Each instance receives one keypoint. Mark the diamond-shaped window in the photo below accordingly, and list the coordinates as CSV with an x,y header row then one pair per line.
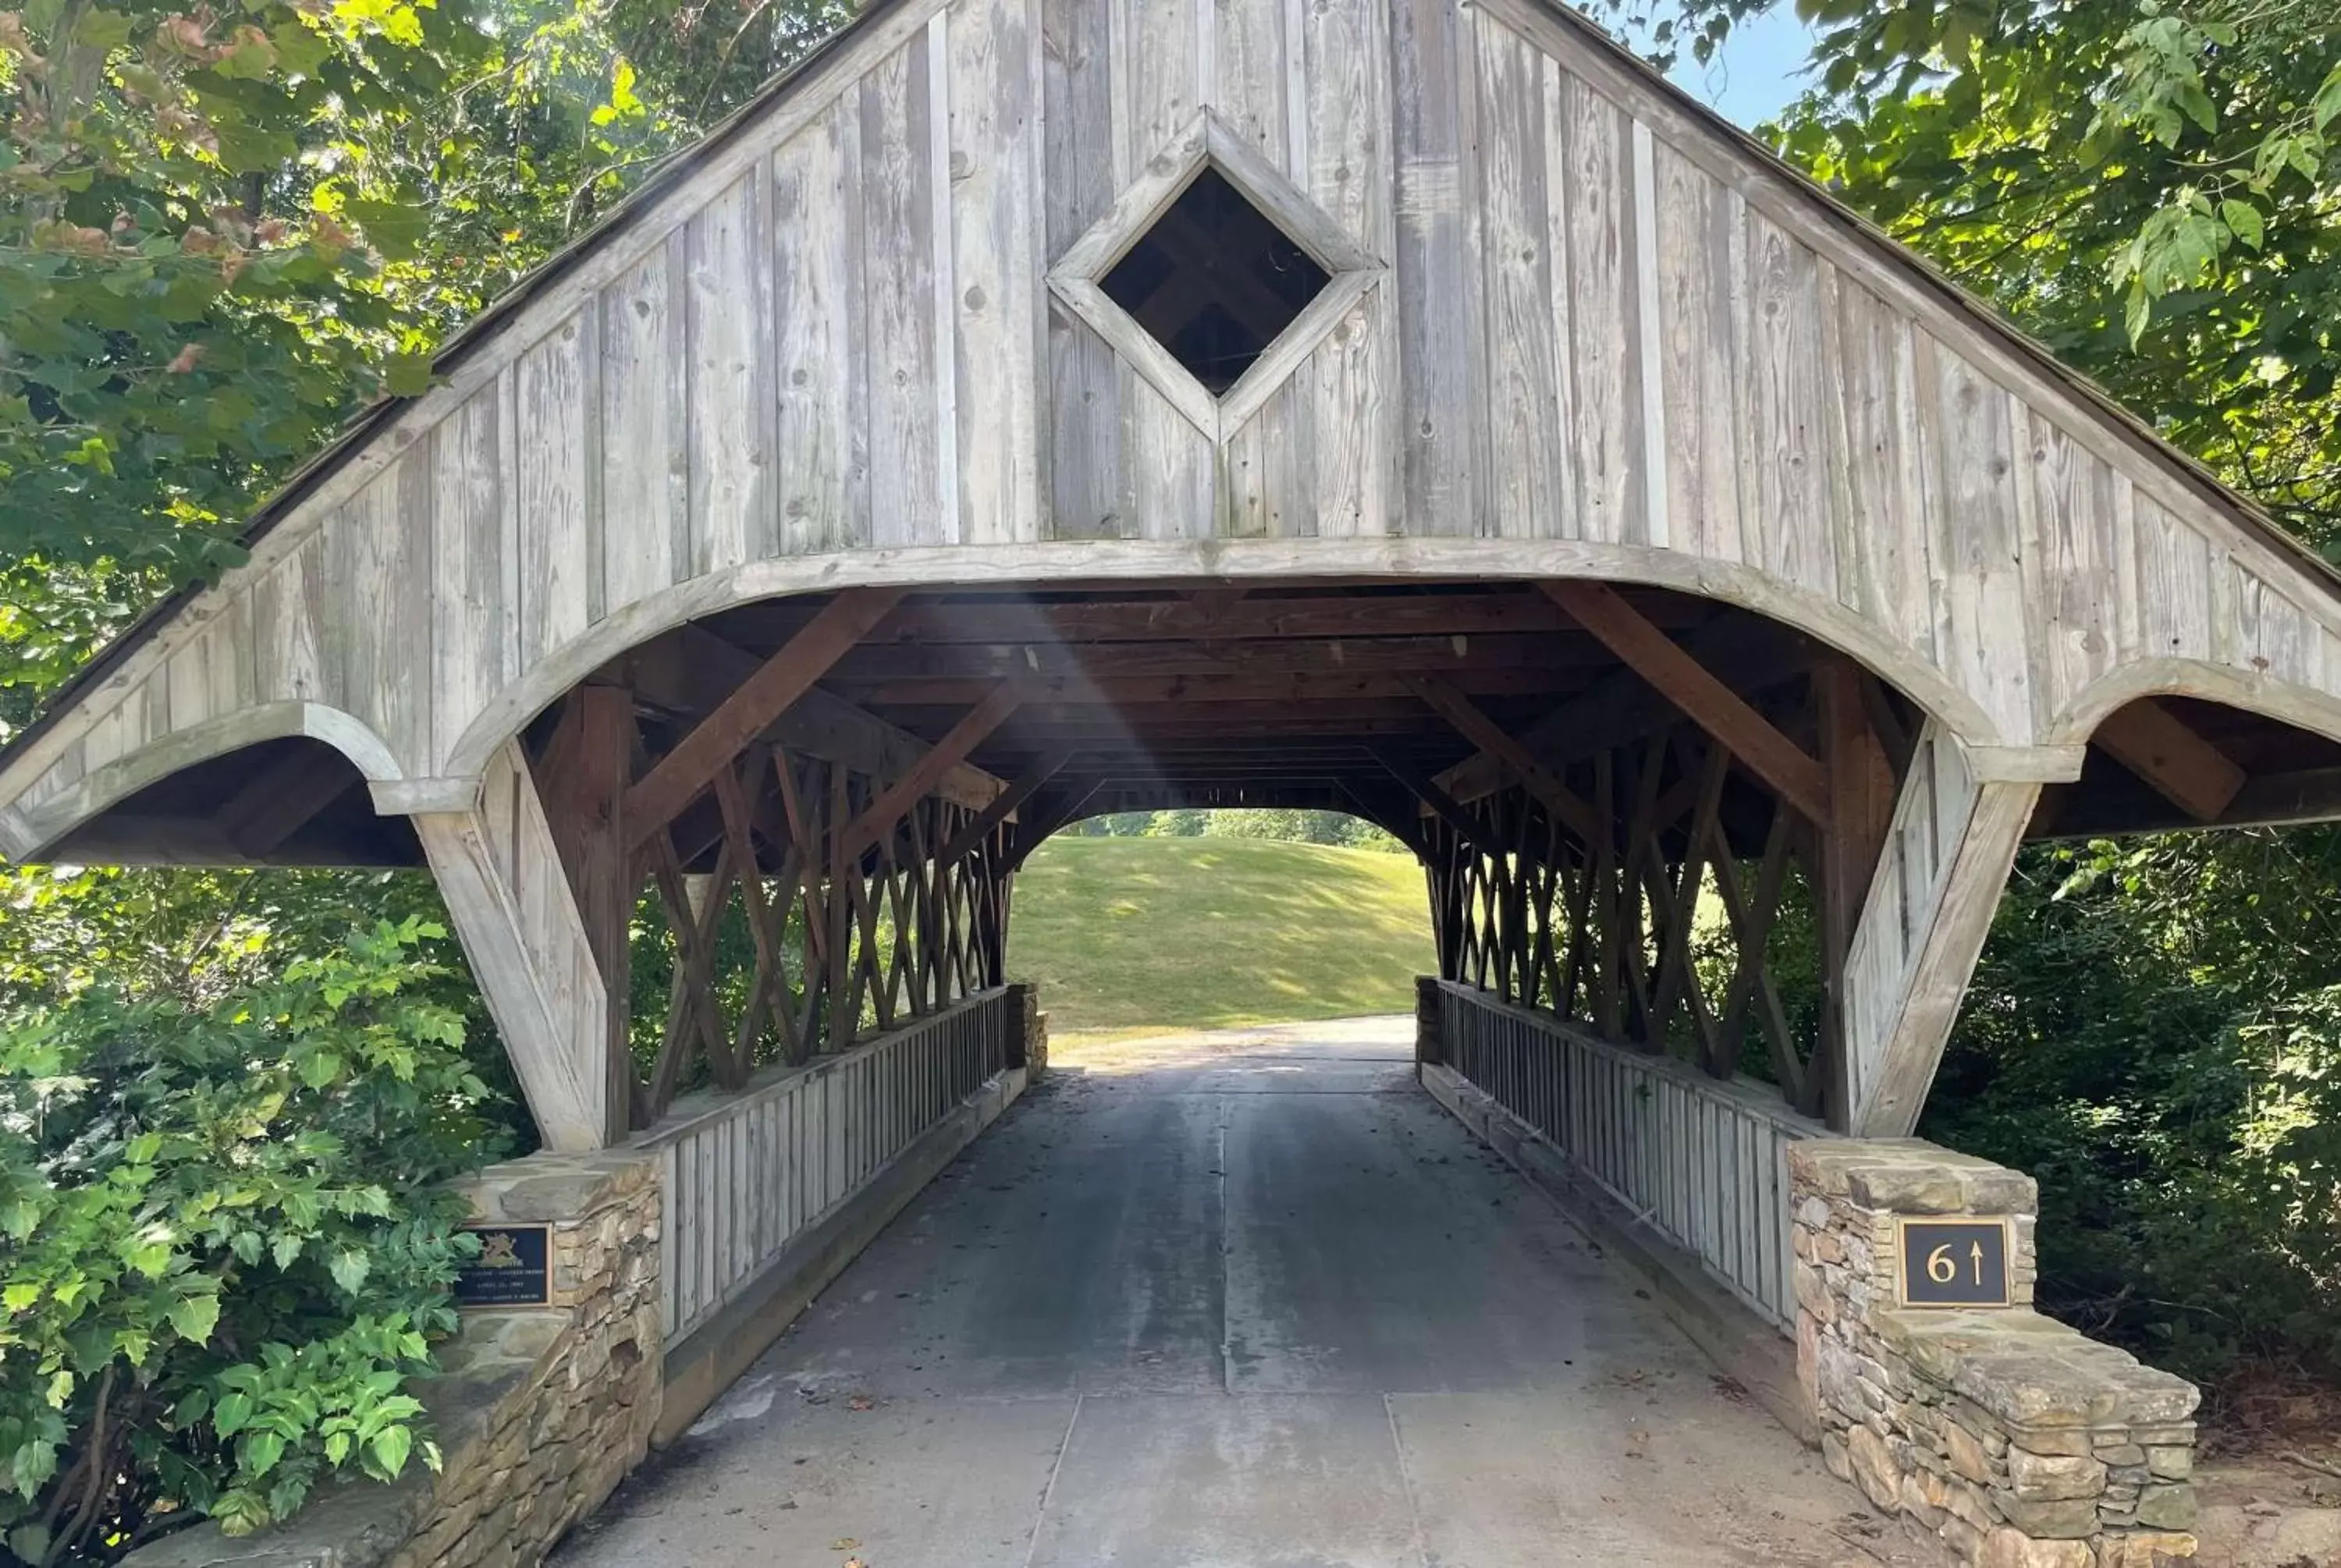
x,y
1213,275
1215,281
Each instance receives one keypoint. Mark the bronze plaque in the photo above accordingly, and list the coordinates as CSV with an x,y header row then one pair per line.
x,y
1955,1263
515,1267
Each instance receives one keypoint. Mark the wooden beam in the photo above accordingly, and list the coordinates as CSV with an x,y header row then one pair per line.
x,y
1690,686
1290,687
587,769
1468,721
879,818
880,664
501,875
1022,788
1260,615
282,799
1436,801
679,775
2182,766
1861,787
690,671
1617,709
1953,844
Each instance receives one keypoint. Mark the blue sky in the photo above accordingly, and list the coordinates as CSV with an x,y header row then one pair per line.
x,y
1755,75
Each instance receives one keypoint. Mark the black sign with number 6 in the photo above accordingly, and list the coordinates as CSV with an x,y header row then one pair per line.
x,y
1955,1263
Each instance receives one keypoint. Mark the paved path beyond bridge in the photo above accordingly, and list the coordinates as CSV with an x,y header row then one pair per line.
x,y
1225,1301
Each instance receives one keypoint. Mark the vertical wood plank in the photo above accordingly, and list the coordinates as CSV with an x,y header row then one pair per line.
x,y
1694,218
644,455
467,607
897,256
555,415
995,287
1524,401
731,408
1429,270
821,379
1605,411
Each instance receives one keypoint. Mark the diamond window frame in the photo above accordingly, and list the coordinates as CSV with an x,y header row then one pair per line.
x,y
1079,277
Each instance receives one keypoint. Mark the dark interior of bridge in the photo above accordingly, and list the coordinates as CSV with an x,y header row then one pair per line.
x,y
1350,695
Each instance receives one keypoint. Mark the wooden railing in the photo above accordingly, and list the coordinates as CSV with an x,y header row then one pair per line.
x,y
1701,1160
747,1172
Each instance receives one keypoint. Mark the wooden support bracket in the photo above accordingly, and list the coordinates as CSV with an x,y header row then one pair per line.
x,y
2182,766
678,777
1690,686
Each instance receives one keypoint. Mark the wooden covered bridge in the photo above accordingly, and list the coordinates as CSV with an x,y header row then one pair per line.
x,y
1030,409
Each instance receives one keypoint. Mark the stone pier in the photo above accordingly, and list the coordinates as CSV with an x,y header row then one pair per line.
x,y
2015,1441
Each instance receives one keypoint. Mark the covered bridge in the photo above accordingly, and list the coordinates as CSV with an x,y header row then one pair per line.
x,y
1029,409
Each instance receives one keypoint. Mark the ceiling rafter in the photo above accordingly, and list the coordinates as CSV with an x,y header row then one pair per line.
x,y
1753,740
677,778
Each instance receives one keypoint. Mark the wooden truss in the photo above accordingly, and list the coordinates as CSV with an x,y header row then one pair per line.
x,y
1647,890
800,871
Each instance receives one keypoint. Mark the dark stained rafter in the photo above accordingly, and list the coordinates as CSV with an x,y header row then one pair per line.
x,y
692,763
2177,764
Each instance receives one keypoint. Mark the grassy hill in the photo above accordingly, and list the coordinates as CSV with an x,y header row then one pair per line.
x,y
1128,935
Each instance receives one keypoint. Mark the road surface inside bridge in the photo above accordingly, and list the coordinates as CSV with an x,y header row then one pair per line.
x,y
1232,1299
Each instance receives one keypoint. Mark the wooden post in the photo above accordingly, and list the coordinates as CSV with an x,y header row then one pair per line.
x,y
1849,840
584,795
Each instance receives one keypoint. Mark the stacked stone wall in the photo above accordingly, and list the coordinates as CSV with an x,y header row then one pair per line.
x,y
2015,1441
1029,1049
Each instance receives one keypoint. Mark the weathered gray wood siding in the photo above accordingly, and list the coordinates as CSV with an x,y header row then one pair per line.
x,y
1603,339
1948,850
499,871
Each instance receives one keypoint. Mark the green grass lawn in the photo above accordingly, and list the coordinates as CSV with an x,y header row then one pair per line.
x,y
1124,936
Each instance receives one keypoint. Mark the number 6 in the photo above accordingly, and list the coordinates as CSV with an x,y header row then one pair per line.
x,y
1940,1267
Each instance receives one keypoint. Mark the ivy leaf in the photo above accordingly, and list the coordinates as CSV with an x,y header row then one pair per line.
x,y
233,1411
389,1448
262,1450
2326,107
194,1316
150,1254
396,229
102,29
350,1268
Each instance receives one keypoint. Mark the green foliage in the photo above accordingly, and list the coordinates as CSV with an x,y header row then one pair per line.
x,y
2154,1032
226,1244
1133,933
1283,825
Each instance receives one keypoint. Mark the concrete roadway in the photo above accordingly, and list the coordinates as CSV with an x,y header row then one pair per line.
x,y
1226,1301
